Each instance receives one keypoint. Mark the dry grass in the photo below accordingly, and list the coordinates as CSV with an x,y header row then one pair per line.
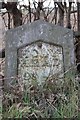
x,y
49,101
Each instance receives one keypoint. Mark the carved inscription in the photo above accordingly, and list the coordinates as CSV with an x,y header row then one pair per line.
x,y
39,61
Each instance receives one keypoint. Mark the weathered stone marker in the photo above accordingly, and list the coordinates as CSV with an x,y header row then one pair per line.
x,y
40,61
38,50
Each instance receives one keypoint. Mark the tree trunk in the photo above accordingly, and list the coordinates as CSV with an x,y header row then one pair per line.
x,y
61,14
13,10
68,16
17,17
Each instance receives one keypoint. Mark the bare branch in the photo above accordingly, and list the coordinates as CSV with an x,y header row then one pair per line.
x,y
29,10
60,5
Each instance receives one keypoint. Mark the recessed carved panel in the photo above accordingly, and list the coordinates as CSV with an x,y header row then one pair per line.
x,y
39,62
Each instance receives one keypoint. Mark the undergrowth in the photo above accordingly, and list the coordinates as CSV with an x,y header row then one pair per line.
x,y
50,100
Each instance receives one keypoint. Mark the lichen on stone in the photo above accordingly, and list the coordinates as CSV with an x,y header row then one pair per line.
x,y
38,63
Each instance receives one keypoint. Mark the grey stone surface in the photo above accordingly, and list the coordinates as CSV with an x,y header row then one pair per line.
x,y
33,32
40,62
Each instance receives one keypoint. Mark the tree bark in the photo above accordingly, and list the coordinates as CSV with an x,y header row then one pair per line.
x,y
13,10
61,14
68,16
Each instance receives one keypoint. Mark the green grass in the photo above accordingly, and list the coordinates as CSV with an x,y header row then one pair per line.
x,y
49,101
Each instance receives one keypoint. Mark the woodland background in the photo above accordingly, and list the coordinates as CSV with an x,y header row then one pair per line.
x,y
14,14
66,14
